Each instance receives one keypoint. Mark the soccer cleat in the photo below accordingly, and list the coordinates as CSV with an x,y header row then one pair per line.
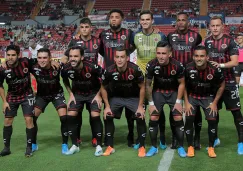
x,y
216,142
136,146
6,151
141,152
34,147
163,147
94,142
181,152
190,151
64,148
240,148
28,152
152,151
211,152
109,151
72,150
98,151
197,145
174,143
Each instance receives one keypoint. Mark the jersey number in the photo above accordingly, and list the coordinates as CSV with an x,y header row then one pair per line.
x,y
235,94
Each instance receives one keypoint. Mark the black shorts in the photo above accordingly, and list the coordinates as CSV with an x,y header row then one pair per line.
x,y
204,103
57,100
81,100
160,99
238,69
27,105
230,98
118,103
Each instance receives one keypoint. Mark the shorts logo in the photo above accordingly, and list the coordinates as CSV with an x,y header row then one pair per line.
x,y
130,77
25,70
238,104
54,73
173,72
191,39
241,123
223,46
88,75
151,129
210,77
123,37
95,46
156,71
71,76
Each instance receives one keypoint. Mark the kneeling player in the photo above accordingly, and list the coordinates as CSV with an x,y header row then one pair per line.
x,y
124,82
49,90
85,78
202,78
168,87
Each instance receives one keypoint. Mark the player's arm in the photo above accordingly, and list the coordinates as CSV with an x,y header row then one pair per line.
x,y
68,87
2,93
181,89
131,42
141,100
199,39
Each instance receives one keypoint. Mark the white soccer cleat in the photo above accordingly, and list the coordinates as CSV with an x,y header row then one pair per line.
x,y
72,150
98,151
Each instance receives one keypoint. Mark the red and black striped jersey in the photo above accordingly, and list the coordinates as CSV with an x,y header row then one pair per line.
x,y
220,51
91,48
48,81
202,84
123,84
18,79
165,77
111,40
183,45
85,81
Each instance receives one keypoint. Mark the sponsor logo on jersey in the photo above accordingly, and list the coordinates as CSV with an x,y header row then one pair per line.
x,y
115,73
157,67
70,71
25,70
113,44
193,71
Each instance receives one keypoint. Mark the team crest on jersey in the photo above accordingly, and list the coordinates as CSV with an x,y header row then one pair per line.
x,y
95,46
88,75
173,72
123,37
191,39
210,77
54,73
130,77
156,39
25,70
223,46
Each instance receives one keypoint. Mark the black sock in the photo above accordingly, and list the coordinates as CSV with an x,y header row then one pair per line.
x,y
141,129
217,123
198,124
172,125
130,124
162,127
97,128
238,119
110,129
35,129
64,129
153,132
189,129
212,124
72,128
179,126
7,133
29,135
79,123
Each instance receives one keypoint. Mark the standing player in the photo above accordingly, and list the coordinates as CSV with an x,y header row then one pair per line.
x,y
85,78
202,79
223,53
239,68
123,83
112,38
168,88
183,41
49,90
19,92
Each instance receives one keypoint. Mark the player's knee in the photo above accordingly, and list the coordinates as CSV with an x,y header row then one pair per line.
x,y
153,123
29,122
8,121
154,117
62,111
37,111
237,114
177,118
95,114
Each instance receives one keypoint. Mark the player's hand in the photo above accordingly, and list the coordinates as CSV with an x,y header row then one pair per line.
x,y
71,99
213,109
64,59
107,111
98,100
188,109
3,64
152,108
156,30
6,106
140,111
55,65
178,107
214,64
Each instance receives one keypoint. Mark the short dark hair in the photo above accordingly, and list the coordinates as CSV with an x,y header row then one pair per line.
x,y
117,11
81,50
121,48
13,47
217,18
44,50
183,13
85,20
146,12
163,44
239,34
200,47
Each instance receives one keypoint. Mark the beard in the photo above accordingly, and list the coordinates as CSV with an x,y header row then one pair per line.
x,y
115,27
